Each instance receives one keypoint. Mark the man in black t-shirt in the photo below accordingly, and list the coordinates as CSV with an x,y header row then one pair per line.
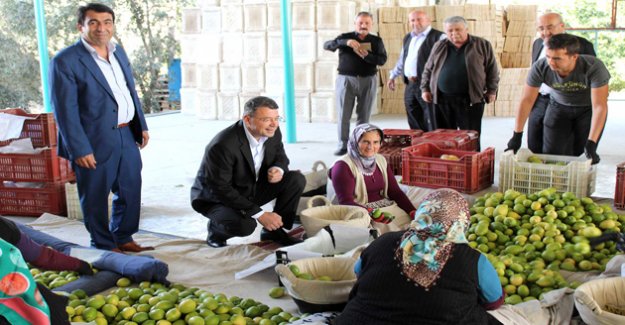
x,y
359,55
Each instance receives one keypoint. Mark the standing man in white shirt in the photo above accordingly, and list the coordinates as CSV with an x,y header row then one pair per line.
x,y
415,52
101,128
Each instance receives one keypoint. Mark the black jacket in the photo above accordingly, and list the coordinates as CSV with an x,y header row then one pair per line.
x,y
226,175
424,51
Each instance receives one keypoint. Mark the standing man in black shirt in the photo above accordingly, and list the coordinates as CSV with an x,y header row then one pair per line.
x,y
415,52
359,55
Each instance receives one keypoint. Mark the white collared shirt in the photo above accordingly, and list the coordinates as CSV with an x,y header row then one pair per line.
x,y
410,65
258,154
115,78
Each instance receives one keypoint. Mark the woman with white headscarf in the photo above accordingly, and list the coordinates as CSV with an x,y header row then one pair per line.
x,y
363,177
427,274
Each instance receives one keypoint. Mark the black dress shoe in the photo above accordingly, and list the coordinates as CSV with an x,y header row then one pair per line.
x,y
340,151
279,236
215,242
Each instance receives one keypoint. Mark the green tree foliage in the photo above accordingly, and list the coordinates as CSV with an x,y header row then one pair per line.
x,y
145,28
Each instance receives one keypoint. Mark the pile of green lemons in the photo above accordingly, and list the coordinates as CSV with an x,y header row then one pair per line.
x,y
53,279
157,304
530,238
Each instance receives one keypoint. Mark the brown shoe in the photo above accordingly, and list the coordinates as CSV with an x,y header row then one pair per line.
x,y
132,246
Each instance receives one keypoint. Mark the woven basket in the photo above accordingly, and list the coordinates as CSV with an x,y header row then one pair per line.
x,y
314,218
601,301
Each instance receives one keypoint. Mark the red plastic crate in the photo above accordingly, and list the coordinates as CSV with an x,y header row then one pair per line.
x,y
619,192
41,130
393,157
17,201
400,137
423,167
45,166
466,140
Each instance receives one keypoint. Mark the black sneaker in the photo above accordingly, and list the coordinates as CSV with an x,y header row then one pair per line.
x,y
279,236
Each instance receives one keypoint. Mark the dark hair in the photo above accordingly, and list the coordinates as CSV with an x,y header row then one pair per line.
x,y
97,7
364,14
564,41
257,102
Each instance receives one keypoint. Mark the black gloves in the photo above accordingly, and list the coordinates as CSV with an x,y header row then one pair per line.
x,y
84,268
515,143
591,151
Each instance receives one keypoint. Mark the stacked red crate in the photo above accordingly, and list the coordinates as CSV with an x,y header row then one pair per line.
x,y
34,183
394,141
619,192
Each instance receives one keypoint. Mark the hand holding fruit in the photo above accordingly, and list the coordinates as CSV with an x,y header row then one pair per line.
x,y
591,151
515,142
378,216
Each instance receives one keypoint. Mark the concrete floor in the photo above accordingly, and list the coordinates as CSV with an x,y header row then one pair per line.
x,y
177,144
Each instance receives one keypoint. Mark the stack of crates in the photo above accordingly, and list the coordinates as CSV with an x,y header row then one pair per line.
x,y
619,192
466,140
394,141
32,184
469,172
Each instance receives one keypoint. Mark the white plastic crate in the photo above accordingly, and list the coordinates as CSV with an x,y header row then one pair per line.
x,y
228,106
322,107
191,20
322,37
255,17
303,15
274,47
564,173
304,45
211,20
208,48
274,77
208,77
274,20
207,3
303,76
325,75
229,77
206,105
232,47
302,107
278,97
255,47
189,74
232,18
228,2
253,77
335,15
189,48
74,211
187,100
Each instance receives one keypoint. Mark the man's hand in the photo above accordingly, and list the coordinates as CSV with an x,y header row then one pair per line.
x,y
357,49
489,98
591,151
426,96
270,221
391,84
146,137
515,142
87,161
274,175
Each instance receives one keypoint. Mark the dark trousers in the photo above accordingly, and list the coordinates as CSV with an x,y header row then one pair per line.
x,y
121,174
566,129
226,222
535,124
457,112
420,114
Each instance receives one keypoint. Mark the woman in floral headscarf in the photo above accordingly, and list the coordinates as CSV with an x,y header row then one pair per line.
x,y
427,274
363,177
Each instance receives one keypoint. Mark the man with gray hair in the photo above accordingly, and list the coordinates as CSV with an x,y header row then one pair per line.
x,y
359,55
459,77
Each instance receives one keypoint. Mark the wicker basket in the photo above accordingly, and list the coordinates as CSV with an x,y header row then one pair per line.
x,y
314,218
601,301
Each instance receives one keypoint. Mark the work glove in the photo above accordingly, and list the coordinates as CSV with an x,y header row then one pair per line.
x,y
591,151
515,142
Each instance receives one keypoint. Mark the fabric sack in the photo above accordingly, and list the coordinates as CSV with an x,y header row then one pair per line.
x,y
314,218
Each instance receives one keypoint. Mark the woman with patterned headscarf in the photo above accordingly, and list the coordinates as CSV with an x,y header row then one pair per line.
x,y
362,177
427,274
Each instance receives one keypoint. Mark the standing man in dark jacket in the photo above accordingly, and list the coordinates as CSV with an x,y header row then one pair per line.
x,y
359,55
415,52
244,167
460,75
548,25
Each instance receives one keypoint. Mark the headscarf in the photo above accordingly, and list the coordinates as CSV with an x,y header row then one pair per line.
x,y
439,223
366,165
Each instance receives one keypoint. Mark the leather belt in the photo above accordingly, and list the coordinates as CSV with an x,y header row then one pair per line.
x,y
413,79
122,125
